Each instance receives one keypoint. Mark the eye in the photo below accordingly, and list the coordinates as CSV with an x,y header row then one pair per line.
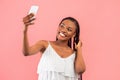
x,y
61,25
69,29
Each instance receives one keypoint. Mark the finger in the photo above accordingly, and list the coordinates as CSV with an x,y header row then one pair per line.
x,y
28,17
75,46
29,21
32,19
31,14
27,24
80,43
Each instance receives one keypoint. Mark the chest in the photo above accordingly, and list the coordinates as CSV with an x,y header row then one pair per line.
x,y
62,52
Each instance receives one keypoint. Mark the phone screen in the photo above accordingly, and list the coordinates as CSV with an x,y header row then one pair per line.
x,y
33,9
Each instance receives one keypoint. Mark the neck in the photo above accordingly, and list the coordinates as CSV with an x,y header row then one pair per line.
x,y
62,43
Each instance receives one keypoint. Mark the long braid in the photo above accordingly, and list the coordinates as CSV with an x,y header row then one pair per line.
x,y
69,42
76,38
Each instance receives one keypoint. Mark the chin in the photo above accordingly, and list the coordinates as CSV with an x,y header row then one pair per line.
x,y
62,39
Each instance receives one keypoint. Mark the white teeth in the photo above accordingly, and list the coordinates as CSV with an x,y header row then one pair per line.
x,y
62,34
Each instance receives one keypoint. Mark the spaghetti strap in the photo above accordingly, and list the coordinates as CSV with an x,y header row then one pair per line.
x,y
48,42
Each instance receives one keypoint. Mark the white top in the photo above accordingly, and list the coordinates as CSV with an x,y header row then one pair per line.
x,y
54,67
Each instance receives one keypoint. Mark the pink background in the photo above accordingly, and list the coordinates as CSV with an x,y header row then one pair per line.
x,y
100,33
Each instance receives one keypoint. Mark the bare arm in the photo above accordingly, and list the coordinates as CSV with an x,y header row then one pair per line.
x,y
27,49
79,61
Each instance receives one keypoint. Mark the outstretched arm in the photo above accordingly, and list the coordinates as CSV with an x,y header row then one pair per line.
x,y
30,50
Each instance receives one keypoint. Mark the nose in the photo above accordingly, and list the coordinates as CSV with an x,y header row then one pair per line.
x,y
64,29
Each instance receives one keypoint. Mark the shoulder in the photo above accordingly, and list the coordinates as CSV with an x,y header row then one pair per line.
x,y
44,43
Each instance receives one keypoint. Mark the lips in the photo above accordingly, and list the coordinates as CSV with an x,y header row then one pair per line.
x,y
62,34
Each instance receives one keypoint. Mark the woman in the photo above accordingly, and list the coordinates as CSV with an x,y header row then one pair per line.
x,y
61,59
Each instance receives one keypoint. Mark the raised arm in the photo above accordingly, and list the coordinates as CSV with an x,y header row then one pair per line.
x,y
27,49
79,61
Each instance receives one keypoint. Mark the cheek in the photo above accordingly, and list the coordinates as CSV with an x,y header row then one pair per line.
x,y
58,29
70,34
73,33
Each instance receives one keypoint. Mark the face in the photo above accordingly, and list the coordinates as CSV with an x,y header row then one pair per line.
x,y
66,30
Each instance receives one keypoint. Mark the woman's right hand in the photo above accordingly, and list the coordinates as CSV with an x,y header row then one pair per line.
x,y
28,20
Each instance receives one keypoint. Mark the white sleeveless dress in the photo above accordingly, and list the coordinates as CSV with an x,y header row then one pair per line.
x,y
54,67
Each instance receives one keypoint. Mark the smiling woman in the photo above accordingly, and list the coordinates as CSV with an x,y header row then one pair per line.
x,y
61,59
66,29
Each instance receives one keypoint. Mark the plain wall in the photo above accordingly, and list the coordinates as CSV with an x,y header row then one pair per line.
x,y
100,29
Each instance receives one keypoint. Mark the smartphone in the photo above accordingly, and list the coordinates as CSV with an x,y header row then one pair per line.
x,y
34,9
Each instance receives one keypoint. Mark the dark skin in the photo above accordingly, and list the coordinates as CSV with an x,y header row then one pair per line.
x,y
66,30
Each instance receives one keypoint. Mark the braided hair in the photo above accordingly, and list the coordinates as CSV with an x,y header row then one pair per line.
x,y
71,43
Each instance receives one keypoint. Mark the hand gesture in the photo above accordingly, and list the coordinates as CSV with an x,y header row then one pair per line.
x,y
79,45
27,20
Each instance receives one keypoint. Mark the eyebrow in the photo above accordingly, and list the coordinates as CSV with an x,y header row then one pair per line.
x,y
65,25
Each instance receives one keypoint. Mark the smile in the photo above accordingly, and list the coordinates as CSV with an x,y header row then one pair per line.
x,y
61,34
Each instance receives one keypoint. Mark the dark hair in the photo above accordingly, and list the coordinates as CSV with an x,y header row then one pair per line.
x,y
76,38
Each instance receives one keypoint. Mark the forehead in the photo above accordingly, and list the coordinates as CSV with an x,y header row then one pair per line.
x,y
69,23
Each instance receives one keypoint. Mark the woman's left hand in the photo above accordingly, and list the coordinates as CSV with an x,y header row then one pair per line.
x,y
79,45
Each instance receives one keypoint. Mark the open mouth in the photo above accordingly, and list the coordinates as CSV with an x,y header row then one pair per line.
x,y
62,34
